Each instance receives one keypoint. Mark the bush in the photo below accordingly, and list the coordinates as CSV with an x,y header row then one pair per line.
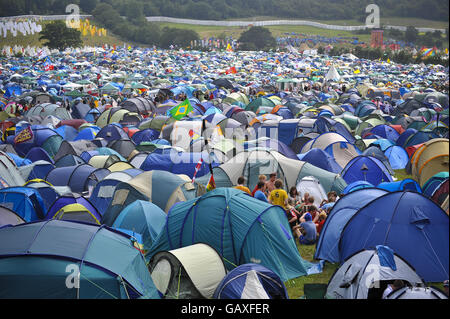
x,y
59,36
257,38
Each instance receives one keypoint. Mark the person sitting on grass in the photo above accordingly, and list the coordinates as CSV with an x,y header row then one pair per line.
x,y
320,222
308,230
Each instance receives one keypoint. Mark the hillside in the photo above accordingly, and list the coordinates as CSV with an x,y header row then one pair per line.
x,y
434,10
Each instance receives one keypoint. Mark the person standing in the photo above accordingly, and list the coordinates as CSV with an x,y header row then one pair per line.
x,y
241,186
279,196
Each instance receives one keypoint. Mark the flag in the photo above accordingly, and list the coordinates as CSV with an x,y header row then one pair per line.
x,y
211,184
388,60
231,70
229,48
181,110
24,136
197,168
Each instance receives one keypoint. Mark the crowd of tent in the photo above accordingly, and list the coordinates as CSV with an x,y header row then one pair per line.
x,y
118,168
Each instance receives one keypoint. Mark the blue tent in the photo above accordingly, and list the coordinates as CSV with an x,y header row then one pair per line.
x,y
19,161
324,125
88,133
385,131
320,158
382,143
397,156
38,259
356,186
38,170
251,281
272,144
103,192
112,132
376,152
38,153
419,138
144,218
72,199
403,185
146,135
241,228
411,224
41,134
177,163
401,141
345,208
24,201
366,168
78,177
67,132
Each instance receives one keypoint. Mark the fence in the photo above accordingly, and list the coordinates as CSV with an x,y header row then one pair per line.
x,y
230,23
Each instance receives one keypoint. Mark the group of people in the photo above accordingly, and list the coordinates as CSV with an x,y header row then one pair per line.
x,y
305,219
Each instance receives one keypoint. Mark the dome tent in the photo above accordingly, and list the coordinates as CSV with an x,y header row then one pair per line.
x,y
345,208
144,218
251,281
402,220
191,272
24,201
162,188
9,217
355,279
311,185
36,265
241,228
417,293
366,168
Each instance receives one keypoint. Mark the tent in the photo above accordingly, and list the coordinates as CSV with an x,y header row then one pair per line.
x,y
321,159
403,185
365,274
402,220
366,168
26,202
311,185
252,163
241,228
80,178
343,210
37,265
355,186
76,212
9,217
251,281
191,272
429,159
162,188
103,192
144,218
417,293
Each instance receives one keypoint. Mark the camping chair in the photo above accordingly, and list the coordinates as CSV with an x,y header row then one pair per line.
x,y
315,291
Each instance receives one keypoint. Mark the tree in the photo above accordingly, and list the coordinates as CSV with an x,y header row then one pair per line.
x,y
60,37
411,34
257,38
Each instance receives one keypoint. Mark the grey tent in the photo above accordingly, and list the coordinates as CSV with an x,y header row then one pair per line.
x,y
74,148
191,272
366,274
417,293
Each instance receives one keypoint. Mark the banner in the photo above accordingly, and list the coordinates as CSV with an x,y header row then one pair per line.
x,y
24,136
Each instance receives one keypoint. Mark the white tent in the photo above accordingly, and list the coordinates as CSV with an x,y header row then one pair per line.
x,y
332,74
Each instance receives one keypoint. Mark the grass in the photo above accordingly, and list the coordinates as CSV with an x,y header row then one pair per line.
x,y
295,286
277,31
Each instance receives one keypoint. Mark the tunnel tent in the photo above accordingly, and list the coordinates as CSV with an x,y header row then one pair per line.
x,y
43,251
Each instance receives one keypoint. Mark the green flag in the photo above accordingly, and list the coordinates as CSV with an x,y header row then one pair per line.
x,y
181,110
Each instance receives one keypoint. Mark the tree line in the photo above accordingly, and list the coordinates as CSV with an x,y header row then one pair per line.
x,y
229,9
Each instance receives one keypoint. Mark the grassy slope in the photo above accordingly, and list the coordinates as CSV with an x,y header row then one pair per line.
x,y
295,286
